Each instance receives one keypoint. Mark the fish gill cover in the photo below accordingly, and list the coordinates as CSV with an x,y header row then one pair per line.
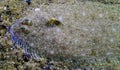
x,y
81,34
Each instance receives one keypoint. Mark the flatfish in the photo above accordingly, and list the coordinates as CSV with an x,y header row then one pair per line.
x,y
38,35
68,36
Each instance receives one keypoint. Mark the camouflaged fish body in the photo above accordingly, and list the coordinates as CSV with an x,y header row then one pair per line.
x,y
83,33
38,38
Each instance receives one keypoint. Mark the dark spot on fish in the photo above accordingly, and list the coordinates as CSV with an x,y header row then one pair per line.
x,y
53,22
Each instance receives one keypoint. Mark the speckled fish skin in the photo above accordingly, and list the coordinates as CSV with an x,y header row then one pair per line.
x,y
41,39
83,34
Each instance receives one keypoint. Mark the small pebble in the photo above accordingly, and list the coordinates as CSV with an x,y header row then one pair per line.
x,y
28,2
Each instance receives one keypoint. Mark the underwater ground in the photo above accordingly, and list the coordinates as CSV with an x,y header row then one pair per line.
x,y
91,28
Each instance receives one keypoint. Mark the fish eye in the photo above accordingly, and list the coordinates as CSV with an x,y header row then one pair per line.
x,y
26,22
25,30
